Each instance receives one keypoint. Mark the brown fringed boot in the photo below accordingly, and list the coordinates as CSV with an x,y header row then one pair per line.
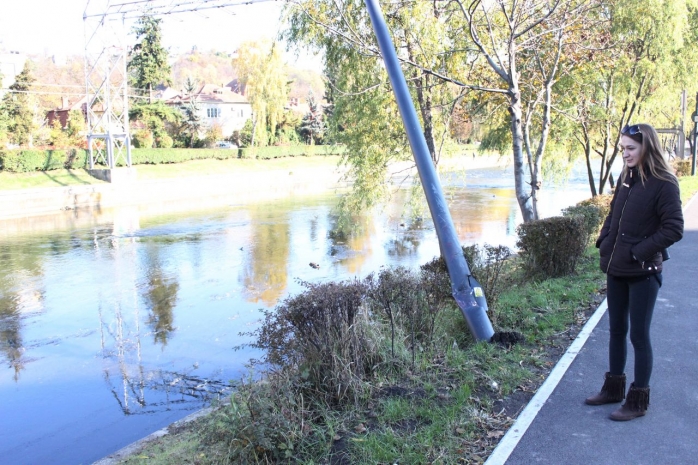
x,y
612,391
635,404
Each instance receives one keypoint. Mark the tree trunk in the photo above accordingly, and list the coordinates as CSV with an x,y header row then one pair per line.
x,y
522,196
536,178
587,156
424,101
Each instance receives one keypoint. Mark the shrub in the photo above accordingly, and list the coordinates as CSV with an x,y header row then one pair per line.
x,y
682,167
552,246
77,158
142,139
602,201
24,161
164,142
485,263
325,332
263,423
591,219
396,293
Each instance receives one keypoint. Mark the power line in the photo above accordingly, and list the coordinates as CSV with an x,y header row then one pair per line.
x,y
140,8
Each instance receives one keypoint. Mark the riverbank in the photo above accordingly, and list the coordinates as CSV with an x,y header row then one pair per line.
x,y
166,188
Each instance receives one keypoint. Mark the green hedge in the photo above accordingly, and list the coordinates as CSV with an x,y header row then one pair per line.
x,y
267,153
26,161
551,247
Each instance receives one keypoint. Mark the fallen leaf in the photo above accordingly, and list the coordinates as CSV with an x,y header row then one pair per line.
x,y
460,431
360,428
337,437
495,434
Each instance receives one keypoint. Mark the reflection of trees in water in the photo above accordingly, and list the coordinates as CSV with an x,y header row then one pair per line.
x,y
138,390
265,274
160,295
350,241
20,296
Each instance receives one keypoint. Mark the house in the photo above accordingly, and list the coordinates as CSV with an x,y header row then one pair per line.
x,y
218,105
63,112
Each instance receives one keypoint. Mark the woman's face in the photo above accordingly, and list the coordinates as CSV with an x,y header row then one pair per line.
x,y
631,151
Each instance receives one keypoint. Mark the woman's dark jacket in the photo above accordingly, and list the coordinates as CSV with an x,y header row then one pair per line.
x,y
645,218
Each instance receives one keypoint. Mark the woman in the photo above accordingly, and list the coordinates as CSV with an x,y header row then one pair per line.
x,y
644,220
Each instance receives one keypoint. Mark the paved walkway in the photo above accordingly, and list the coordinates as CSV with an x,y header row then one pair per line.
x,y
558,428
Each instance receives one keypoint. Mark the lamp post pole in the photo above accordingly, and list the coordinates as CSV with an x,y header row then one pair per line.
x,y
466,290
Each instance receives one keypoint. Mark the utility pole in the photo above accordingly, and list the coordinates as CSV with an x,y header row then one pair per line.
x,y
466,290
695,138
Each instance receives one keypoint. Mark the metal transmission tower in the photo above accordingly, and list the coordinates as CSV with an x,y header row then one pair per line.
x,y
106,55
106,85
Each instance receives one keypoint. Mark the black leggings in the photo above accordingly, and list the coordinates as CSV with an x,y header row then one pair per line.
x,y
631,299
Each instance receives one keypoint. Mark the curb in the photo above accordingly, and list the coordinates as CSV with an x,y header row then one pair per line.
x,y
125,452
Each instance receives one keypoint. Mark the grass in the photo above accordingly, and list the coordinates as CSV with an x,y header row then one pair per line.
x,y
689,187
42,179
60,178
452,406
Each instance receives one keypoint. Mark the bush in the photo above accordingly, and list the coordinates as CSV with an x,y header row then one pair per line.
x,y
161,156
77,158
551,247
263,423
325,333
682,167
591,216
164,142
142,139
601,201
485,263
397,295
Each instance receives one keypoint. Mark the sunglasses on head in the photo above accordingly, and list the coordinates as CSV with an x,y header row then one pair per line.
x,y
631,130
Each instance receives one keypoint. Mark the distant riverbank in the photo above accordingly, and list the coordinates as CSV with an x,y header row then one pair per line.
x,y
182,186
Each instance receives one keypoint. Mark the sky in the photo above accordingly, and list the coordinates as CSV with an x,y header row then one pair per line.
x,y
56,27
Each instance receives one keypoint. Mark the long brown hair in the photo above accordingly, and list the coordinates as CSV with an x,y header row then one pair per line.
x,y
652,161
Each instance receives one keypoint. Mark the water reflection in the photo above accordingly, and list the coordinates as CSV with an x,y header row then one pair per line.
x,y
265,275
160,295
21,295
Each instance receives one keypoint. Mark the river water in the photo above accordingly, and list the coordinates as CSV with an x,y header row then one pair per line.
x,y
124,322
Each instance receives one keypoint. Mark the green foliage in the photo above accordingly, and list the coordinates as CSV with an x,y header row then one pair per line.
x,y
592,219
262,423
312,128
142,139
164,141
26,161
260,69
551,247
362,112
17,108
155,116
602,202
267,153
148,64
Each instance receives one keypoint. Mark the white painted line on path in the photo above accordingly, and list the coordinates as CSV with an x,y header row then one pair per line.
x,y
510,440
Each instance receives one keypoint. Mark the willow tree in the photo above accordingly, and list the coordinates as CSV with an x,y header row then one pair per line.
x,y
364,114
261,71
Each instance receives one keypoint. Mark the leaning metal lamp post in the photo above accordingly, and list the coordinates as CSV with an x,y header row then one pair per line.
x,y
466,290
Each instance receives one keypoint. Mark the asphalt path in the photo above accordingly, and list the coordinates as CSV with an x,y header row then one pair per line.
x,y
558,428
